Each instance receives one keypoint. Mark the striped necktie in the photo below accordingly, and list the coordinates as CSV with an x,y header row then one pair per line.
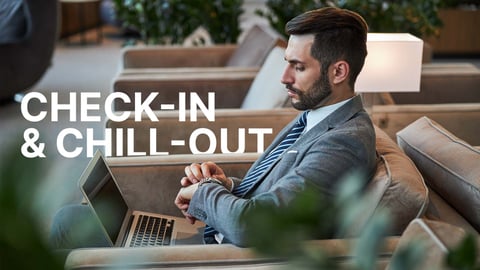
x,y
251,178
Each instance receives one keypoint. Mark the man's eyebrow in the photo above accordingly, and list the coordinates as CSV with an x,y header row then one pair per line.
x,y
293,61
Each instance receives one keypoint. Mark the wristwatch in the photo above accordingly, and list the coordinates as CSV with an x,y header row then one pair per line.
x,y
211,180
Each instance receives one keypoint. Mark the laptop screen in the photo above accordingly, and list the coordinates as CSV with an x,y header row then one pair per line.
x,y
105,197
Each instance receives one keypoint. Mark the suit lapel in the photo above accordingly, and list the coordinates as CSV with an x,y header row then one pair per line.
x,y
338,117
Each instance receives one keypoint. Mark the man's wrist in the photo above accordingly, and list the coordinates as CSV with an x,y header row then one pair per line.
x,y
228,184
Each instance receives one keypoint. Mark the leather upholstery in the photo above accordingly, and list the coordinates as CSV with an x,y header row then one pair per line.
x,y
444,83
170,128
397,185
250,51
393,118
436,239
449,165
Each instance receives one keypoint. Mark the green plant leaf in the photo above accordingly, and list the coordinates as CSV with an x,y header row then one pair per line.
x,y
464,256
408,257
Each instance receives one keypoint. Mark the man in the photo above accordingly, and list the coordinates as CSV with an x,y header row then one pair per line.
x,y
326,52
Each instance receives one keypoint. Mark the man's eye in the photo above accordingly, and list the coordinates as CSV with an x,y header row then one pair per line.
x,y
299,68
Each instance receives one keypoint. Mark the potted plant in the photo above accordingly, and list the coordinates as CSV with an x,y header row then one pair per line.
x,y
171,21
416,18
419,18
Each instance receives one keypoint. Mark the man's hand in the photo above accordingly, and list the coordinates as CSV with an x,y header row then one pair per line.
x,y
197,172
194,174
182,201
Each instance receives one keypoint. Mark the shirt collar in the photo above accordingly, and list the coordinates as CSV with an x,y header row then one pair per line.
x,y
316,116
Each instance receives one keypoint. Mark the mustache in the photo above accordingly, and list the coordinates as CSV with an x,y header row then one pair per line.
x,y
291,88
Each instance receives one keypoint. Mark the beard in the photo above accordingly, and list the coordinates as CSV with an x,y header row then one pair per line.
x,y
311,98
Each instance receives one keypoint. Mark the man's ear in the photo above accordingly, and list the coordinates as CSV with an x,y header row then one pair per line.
x,y
340,71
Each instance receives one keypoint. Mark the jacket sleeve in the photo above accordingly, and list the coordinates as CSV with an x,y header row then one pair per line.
x,y
322,164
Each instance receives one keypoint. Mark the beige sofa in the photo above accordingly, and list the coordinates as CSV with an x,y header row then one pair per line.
x,y
439,187
444,83
459,118
233,88
390,118
448,93
230,71
251,51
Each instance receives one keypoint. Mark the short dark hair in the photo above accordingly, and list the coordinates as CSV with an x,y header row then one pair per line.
x,y
340,34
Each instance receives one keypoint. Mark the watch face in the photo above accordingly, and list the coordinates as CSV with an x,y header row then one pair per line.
x,y
211,180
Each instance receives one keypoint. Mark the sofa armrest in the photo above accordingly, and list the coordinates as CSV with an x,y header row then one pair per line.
x,y
188,70
156,179
393,118
444,83
174,56
435,237
448,164
205,256
230,89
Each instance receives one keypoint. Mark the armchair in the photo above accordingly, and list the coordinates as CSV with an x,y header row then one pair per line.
x,y
448,95
168,128
241,89
460,118
444,83
250,52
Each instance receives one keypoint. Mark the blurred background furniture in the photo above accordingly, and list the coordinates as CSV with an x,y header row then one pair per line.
x,y
251,51
231,120
237,88
444,83
78,16
27,42
460,118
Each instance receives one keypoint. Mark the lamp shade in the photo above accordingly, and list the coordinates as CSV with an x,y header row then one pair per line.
x,y
393,63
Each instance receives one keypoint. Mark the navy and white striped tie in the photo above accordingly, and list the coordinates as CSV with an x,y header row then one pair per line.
x,y
252,177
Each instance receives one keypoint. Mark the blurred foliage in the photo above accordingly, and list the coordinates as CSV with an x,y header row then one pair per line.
x,y
22,244
171,21
465,255
419,18
282,232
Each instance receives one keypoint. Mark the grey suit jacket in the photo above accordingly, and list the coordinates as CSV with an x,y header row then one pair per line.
x,y
341,143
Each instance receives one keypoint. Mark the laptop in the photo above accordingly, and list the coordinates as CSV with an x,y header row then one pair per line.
x,y
126,227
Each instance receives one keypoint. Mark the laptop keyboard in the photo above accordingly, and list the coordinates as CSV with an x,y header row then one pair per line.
x,y
152,231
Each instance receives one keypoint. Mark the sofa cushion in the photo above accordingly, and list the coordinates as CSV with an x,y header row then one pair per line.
x,y
255,46
436,239
266,91
449,165
397,185
438,209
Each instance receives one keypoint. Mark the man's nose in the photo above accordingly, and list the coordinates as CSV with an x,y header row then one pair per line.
x,y
287,77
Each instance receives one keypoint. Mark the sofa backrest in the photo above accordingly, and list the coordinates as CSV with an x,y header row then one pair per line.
x,y
396,187
393,118
450,166
151,183
444,83
233,122
266,91
255,46
437,239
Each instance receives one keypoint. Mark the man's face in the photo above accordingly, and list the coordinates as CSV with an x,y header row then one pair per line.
x,y
308,86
